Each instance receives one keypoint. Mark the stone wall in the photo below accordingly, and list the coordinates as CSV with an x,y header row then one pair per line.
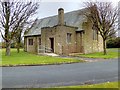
x,y
90,45
68,48
32,48
59,33
81,42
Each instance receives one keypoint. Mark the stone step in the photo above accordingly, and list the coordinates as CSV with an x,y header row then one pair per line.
x,y
49,54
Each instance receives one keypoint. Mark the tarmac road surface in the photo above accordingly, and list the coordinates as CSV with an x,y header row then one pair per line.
x,y
59,75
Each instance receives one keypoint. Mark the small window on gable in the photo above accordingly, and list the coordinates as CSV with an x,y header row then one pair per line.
x,y
95,35
30,41
69,37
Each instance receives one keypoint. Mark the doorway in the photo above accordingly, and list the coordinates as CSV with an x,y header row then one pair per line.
x,y
52,44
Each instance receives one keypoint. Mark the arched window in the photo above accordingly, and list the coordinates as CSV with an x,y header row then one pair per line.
x,y
95,34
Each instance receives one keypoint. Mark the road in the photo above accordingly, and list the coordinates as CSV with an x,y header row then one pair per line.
x,y
58,75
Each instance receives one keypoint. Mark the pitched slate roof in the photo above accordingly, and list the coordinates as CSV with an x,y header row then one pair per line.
x,y
73,18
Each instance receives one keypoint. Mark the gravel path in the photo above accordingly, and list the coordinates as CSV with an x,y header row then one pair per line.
x,y
87,59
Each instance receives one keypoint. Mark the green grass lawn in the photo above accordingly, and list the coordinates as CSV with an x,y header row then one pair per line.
x,y
111,53
102,85
24,58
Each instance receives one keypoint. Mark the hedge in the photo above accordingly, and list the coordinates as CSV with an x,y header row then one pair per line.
x,y
113,42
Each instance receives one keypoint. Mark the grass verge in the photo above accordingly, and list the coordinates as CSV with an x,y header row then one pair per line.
x,y
101,85
111,53
24,58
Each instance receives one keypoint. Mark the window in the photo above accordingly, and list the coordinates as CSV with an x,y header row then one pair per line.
x,y
30,42
95,35
69,37
39,41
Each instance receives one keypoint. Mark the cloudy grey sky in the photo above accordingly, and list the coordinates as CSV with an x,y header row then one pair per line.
x,y
50,7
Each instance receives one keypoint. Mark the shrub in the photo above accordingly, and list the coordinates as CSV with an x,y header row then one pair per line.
x,y
113,42
13,45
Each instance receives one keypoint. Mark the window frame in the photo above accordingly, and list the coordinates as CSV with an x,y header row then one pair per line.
x,y
69,38
95,34
30,41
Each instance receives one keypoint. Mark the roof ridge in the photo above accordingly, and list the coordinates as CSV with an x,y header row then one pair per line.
x,y
72,18
64,13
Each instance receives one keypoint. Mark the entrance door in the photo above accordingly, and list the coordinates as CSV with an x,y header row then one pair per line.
x,y
52,44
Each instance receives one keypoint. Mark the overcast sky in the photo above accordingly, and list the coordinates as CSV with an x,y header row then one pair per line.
x,y
50,7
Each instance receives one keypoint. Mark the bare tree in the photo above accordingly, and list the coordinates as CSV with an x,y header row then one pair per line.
x,y
103,17
23,28
13,16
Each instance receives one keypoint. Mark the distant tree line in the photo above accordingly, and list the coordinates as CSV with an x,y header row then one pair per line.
x,y
113,42
13,45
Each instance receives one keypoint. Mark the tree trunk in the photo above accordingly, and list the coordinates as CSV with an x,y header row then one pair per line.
x,y
104,47
8,45
18,47
18,42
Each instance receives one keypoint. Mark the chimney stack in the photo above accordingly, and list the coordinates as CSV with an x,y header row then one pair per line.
x,y
60,16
